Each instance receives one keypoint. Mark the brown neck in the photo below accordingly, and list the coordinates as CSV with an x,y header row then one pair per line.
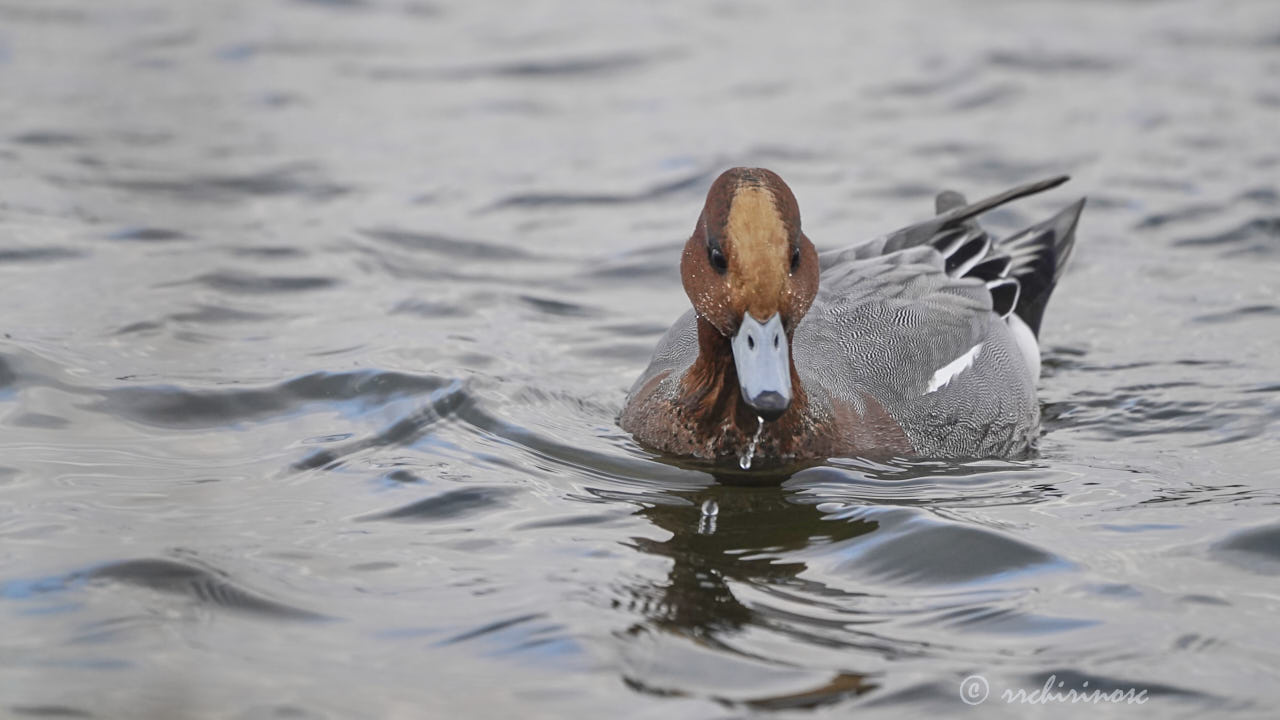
x,y
712,396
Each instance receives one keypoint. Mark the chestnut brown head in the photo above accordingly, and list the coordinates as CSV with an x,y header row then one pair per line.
x,y
752,274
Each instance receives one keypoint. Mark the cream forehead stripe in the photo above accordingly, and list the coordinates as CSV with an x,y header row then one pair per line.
x,y
759,240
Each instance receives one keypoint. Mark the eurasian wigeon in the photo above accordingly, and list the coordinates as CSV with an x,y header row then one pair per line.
x,y
919,343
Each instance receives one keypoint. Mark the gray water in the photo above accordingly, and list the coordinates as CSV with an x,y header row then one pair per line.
x,y
317,318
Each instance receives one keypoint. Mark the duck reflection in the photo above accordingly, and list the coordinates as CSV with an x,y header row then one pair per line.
x,y
729,534
725,533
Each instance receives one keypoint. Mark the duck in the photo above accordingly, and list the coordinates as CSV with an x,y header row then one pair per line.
x,y
919,344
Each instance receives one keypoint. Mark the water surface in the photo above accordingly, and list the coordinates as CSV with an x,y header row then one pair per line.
x,y
317,317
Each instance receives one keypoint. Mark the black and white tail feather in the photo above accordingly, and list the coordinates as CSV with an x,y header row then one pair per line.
x,y
1020,271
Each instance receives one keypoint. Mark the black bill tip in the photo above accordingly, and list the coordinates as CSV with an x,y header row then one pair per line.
x,y
769,404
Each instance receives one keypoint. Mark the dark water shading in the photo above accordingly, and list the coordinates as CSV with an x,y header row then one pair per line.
x,y
316,318
1041,63
1257,549
553,68
40,254
246,283
48,138
215,314
689,186
148,234
463,249
7,376
203,585
556,67
49,711
40,420
1260,236
177,407
299,181
913,549
1247,313
444,403
278,253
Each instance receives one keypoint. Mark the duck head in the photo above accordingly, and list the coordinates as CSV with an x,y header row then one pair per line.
x,y
752,275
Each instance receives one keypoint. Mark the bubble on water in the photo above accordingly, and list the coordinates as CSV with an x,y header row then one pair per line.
x,y
707,521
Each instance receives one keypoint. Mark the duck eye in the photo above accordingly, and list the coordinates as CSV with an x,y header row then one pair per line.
x,y
717,260
795,258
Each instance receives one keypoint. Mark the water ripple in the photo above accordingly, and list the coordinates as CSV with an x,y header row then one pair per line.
x,y
449,247
687,185
603,65
463,503
914,548
302,181
149,234
38,254
1258,238
205,585
178,407
1042,62
244,283
1255,548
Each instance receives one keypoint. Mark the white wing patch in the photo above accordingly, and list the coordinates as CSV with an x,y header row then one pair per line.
x,y
948,372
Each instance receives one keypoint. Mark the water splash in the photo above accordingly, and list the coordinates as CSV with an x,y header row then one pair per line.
x,y
744,462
